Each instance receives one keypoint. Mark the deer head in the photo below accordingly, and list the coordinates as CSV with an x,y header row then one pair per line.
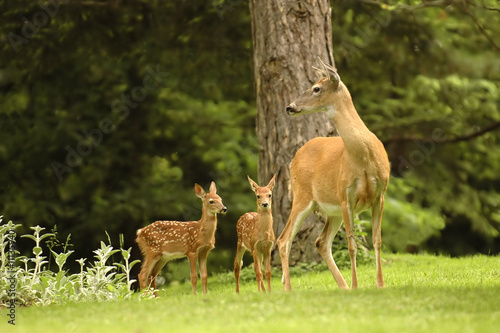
x,y
318,97
263,194
212,203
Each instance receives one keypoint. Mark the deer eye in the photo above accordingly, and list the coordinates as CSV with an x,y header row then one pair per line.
x,y
270,195
211,201
316,89
258,196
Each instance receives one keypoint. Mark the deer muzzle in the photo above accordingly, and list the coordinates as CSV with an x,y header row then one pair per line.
x,y
291,109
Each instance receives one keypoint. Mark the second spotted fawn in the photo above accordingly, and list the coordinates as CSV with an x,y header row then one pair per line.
x,y
255,234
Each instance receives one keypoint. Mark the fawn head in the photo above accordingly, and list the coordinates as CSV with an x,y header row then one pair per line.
x,y
318,97
212,203
264,194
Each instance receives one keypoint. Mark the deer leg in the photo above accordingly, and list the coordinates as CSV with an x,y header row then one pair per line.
x,y
297,216
146,269
258,270
202,259
267,263
377,210
154,274
143,276
351,241
261,259
324,247
240,251
194,273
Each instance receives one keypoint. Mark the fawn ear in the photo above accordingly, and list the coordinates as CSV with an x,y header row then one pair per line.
x,y
253,184
213,188
271,182
199,191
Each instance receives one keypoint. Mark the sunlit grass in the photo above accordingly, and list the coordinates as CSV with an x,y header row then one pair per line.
x,y
423,294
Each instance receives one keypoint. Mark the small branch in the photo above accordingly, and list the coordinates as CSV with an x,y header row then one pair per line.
x,y
87,3
454,139
469,13
474,135
483,6
424,4
93,3
459,4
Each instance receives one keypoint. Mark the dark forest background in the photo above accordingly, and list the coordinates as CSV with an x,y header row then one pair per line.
x,y
110,111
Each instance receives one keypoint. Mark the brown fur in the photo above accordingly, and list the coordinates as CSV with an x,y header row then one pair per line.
x,y
340,176
255,234
163,241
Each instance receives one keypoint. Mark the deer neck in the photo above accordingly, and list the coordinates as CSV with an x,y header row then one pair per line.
x,y
360,143
265,220
208,224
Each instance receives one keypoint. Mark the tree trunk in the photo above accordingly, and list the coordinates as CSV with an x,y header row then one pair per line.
x,y
288,36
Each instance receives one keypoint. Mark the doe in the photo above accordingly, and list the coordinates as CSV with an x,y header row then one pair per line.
x,y
339,176
163,241
255,234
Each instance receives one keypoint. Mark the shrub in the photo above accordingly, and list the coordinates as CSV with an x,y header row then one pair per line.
x,y
37,285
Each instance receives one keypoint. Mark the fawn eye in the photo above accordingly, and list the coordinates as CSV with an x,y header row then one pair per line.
x,y
258,196
316,89
211,201
270,195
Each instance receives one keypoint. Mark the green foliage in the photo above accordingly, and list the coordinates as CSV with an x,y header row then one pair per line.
x,y
406,225
426,80
53,243
33,284
123,118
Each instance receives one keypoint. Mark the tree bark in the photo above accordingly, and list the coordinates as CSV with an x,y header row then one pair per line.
x,y
288,36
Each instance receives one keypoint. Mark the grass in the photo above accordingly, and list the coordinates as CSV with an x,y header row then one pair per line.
x,y
423,294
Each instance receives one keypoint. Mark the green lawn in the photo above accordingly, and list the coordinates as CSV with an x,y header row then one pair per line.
x,y
423,294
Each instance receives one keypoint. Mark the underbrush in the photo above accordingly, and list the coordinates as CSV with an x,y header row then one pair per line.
x,y
27,281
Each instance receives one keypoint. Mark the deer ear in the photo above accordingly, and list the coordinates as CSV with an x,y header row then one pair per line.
x,y
334,76
271,182
199,191
253,184
213,188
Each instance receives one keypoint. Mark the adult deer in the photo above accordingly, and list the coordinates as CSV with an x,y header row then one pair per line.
x,y
255,234
339,176
163,241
